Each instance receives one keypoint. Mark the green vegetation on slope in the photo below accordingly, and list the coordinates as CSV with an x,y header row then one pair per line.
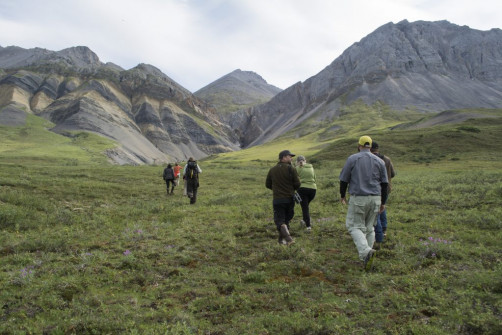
x,y
93,249
34,143
472,139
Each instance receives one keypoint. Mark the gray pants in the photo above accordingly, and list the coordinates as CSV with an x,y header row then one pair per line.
x,y
361,219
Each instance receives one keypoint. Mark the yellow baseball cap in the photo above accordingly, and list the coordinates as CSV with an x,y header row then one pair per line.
x,y
365,141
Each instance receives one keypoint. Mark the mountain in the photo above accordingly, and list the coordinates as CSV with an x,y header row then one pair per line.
x,y
237,90
152,118
423,66
418,66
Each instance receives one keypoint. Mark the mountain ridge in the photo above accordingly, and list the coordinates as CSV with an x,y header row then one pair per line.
x,y
426,66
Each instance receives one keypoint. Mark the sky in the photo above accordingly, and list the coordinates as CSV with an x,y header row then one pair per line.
x,y
195,42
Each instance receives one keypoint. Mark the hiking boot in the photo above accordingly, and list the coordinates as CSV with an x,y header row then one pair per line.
x,y
285,234
368,260
309,228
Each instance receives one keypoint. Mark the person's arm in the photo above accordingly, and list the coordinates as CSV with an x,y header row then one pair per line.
x,y
384,194
296,180
392,171
268,181
343,191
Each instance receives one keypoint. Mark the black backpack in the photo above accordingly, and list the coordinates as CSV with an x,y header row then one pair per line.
x,y
192,171
168,174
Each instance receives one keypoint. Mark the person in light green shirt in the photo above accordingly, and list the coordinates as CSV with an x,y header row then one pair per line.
x,y
307,188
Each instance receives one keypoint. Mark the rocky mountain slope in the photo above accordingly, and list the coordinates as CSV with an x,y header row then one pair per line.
x,y
151,117
237,90
426,66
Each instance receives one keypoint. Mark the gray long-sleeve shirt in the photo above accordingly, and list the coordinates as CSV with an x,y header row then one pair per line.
x,y
364,172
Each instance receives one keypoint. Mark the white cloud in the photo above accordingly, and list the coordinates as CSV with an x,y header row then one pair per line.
x,y
197,41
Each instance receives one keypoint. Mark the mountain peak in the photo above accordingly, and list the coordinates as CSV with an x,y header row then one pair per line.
x,y
80,56
237,90
247,76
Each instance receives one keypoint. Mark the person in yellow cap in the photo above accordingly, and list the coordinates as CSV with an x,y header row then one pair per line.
x,y
366,177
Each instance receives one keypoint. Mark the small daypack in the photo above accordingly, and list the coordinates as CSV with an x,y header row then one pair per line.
x,y
192,171
168,174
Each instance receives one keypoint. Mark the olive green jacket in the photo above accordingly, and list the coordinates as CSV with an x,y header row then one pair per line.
x,y
283,180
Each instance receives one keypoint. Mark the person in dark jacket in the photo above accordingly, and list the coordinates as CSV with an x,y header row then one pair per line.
x,y
381,227
191,175
283,180
168,177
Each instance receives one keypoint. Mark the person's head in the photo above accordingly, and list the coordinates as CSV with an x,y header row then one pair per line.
x,y
169,166
374,147
191,159
286,156
364,142
176,164
300,160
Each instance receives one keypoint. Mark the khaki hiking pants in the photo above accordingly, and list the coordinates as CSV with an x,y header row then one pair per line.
x,y
361,219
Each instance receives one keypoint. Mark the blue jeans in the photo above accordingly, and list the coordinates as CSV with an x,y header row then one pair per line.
x,y
381,226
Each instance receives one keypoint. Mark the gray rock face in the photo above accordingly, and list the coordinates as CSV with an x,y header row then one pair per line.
x,y
428,66
27,81
77,57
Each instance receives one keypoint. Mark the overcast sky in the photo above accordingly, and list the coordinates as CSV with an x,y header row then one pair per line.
x,y
196,42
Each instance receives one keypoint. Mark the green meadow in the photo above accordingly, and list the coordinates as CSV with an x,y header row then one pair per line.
x,y
87,247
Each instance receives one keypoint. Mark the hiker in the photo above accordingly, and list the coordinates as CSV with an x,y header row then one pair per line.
x,y
177,169
381,227
366,177
307,188
168,177
283,180
191,176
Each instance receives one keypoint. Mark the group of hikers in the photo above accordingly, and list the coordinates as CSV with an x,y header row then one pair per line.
x,y
366,174
191,171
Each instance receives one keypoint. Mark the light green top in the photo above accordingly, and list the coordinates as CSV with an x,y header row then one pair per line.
x,y
307,176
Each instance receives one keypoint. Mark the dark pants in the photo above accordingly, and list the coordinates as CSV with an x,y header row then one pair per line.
x,y
307,194
283,213
381,226
170,181
192,186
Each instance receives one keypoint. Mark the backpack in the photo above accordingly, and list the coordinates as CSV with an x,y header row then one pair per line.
x,y
192,171
168,174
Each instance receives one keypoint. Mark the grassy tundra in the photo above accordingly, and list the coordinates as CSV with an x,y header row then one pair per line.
x,y
90,248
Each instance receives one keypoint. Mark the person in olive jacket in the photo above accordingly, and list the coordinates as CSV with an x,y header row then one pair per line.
x,y
307,189
283,180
